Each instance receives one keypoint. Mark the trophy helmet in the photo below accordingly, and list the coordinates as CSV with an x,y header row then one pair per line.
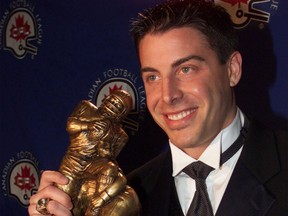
x,y
117,105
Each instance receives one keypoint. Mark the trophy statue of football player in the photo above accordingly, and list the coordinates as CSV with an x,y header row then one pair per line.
x,y
97,185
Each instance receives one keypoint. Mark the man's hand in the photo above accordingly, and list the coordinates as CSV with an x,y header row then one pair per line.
x,y
60,203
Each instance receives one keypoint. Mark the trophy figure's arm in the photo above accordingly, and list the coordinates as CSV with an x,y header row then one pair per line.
x,y
114,189
109,193
82,117
120,143
75,125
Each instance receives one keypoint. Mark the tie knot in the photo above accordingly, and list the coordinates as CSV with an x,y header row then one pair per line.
x,y
198,170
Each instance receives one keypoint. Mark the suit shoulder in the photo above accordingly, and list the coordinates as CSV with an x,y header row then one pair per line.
x,y
152,166
281,138
144,178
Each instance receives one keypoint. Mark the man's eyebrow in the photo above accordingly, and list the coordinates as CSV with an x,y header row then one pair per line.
x,y
185,59
174,64
148,69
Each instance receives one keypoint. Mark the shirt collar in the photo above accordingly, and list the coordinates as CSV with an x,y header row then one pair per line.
x,y
211,155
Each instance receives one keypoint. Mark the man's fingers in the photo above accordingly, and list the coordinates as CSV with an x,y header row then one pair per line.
x,y
55,208
50,177
53,193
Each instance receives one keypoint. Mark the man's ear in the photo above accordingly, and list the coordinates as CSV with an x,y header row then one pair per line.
x,y
235,68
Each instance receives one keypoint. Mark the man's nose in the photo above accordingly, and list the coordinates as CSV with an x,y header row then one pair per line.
x,y
171,92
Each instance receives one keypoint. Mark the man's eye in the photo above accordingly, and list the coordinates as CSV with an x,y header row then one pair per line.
x,y
152,77
186,70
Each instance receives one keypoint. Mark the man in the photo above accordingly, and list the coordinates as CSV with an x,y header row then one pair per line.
x,y
190,65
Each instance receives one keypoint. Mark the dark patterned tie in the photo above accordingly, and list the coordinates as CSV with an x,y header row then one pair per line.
x,y
200,205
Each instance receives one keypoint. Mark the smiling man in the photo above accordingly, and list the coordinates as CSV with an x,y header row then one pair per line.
x,y
187,86
219,162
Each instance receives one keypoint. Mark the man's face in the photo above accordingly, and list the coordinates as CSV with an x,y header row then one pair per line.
x,y
188,91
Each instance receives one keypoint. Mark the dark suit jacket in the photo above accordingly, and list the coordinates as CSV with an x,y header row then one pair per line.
x,y
258,185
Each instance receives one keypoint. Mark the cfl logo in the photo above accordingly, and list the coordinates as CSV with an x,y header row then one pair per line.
x,y
242,12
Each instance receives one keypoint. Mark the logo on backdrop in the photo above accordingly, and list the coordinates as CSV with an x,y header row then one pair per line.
x,y
243,12
122,79
21,29
20,177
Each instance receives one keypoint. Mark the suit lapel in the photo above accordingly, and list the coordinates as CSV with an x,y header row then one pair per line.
x,y
245,193
160,196
175,207
164,199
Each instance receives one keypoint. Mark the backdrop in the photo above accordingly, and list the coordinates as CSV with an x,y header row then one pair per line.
x,y
53,54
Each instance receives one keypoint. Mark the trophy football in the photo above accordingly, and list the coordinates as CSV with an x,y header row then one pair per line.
x,y
97,185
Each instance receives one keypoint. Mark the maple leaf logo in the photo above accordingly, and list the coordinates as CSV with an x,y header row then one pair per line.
x,y
234,2
25,181
20,31
115,87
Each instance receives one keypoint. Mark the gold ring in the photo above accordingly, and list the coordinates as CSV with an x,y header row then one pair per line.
x,y
41,206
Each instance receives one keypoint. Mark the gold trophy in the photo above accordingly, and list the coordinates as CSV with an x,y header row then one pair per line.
x,y
97,185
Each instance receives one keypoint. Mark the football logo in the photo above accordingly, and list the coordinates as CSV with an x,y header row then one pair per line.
x,y
21,30
242,12
20,177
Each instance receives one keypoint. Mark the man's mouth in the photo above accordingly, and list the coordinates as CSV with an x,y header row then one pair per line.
x,y
181,115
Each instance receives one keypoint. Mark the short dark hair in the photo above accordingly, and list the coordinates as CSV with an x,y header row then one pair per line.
x,y
210,19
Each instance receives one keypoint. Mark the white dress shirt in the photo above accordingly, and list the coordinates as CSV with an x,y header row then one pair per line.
x,y
218,179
